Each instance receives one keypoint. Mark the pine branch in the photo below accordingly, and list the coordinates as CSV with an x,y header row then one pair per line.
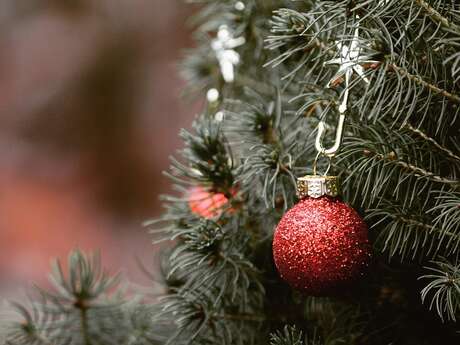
x,y
447,211
298,32
444,289
435,89
410,233
77,312
387,162
447,151
194,317
263,134
32,330
291,336
208,158
84,324
436,16
417,171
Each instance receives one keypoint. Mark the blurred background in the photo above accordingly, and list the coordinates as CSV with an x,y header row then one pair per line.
x,y
90,110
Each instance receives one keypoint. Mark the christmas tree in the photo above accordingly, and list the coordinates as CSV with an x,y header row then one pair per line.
x,y
366,90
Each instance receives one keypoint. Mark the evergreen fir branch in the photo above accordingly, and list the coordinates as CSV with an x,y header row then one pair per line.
x,y
84,325
335,323
384,161
441,13
441,148
410,233
377,172
396,74
436,15
247,82
450,19
443,289
291,336
187,313
78,311
31,330
453,58
85,283
200,68
207,156
338,333
402,94
198,319
417,171
211,255
215,261
304,36
212,14
264,135
443,27
418,80
447,211
141,329
255,121
269,169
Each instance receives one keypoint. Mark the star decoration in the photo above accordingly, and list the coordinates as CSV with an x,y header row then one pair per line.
x,y
350,61
224,47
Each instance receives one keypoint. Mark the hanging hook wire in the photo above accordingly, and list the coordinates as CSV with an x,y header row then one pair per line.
x,y
315,164
330,152
349,62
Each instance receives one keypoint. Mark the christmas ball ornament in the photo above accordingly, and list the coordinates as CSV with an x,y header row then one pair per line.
x,y
321,245
206,204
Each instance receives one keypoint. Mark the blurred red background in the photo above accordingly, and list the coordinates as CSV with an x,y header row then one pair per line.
x,y
89,112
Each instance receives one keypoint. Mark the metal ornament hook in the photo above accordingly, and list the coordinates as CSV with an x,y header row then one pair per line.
x,y
315,164
330,152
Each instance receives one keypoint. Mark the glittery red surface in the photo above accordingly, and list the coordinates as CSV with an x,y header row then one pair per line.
x,y
321,245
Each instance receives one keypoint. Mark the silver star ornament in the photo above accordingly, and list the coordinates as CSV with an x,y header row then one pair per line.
x,y
224,47
350,60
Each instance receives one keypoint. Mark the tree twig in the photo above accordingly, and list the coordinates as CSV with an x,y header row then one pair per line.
x,y
415,169
434,142
435,89
435,15
84,321
420,224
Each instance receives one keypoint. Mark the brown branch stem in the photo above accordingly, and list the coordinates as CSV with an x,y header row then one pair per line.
x,y
415,169
423,225
84,321
432,141
435,89
435,15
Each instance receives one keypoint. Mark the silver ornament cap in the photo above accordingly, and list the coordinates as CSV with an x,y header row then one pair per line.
x,y
316,186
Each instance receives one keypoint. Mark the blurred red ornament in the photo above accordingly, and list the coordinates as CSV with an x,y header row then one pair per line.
x,y
206,204
321,246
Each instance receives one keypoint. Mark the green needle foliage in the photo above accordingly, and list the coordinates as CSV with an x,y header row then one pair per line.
x,y
236,175
444,289
291,336
85,306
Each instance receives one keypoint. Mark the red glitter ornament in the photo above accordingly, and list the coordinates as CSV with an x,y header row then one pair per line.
x,y
206,204
321,245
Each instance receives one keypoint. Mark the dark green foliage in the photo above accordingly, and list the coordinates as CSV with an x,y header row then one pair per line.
x,y
86,307
443,289
399,163
209,161
291,336
400,158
